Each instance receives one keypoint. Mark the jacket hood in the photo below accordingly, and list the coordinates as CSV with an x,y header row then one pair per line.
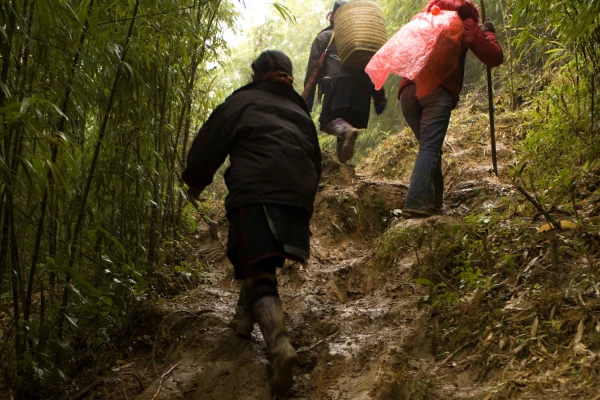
x,y
465,8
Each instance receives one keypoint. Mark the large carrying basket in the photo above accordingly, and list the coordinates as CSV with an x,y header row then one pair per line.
x,y
359,32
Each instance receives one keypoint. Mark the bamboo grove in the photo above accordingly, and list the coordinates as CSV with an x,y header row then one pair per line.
x,y
97,103
99,100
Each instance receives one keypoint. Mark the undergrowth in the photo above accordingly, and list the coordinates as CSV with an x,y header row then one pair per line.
x,y
524,300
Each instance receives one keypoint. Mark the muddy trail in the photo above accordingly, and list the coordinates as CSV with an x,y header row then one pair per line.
x,y
355,320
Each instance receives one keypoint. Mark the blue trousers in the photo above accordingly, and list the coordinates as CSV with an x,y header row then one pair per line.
x,y
428,118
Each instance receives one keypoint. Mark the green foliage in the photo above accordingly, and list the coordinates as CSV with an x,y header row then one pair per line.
x,y
98,103
558,159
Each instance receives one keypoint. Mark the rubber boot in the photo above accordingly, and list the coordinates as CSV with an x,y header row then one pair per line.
x,y
348,146
346,134
243,320
338,147
268,312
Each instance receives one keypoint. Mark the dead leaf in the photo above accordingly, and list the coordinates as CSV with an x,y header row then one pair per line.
x,y
579,333
532,263
534,327
564,224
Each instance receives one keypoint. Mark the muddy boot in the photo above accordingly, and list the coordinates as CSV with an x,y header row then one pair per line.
x,y
338,148
346,134
348,145
269,315
243,320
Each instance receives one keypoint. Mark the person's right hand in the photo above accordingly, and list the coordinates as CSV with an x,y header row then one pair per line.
x,y
195,192
488,27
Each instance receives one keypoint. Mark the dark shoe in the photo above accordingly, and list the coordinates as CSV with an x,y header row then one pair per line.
x,y
348,145
411,213
269,315
243,320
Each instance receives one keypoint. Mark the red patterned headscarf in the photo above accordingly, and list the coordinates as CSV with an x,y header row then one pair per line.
x,y
279,76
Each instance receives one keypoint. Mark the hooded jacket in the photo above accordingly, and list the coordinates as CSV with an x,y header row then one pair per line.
x,y
484,45
272,144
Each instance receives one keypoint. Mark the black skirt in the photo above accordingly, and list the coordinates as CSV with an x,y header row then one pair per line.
x,y
349,99
260,232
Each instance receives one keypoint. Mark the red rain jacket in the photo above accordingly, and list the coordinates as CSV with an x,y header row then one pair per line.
x,y
483,44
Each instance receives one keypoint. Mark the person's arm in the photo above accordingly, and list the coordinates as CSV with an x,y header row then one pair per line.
x,y
209,149
315,155
379,100
318,47
485,44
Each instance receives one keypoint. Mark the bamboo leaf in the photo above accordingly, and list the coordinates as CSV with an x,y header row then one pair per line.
x,y
5,90
25,105
72,320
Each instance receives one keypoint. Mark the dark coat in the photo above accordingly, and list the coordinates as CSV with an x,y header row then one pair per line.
x,y
272,144
484,45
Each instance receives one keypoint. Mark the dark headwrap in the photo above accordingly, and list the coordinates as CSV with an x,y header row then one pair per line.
x,y
273,65
338,4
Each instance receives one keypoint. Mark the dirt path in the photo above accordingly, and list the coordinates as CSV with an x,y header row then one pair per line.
x,y
355,321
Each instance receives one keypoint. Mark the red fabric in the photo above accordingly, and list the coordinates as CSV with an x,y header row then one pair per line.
x,y
279,76
484,45
425,50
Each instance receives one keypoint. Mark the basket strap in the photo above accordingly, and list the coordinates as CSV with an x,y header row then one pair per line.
x,y
330,41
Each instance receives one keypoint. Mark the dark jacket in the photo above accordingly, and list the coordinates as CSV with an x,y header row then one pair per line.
x,y
272,144
484,45
333,68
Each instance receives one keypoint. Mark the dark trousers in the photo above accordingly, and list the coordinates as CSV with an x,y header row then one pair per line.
x,y
428,118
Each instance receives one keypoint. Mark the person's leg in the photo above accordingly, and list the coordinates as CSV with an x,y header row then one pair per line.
x,y
411,109
339,145
242,322
268,312
438,183
426,183
346,136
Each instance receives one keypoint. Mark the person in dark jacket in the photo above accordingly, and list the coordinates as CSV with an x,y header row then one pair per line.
x,y
346,93
272,144
429,116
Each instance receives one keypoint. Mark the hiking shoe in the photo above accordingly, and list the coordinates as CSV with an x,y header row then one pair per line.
x,y
349,137
243,320
268,312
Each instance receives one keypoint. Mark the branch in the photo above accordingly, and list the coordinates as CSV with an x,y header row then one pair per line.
x,y
539,207
88,389
162,380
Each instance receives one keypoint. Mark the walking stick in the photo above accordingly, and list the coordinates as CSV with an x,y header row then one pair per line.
x,y
491,105
214,227
312,80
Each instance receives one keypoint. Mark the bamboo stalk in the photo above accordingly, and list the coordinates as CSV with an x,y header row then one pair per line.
x,y
90,176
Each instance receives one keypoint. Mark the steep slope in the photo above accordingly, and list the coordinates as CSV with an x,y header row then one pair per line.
x,y
373,313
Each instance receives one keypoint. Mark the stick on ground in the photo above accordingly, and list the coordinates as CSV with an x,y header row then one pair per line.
x,y
162,380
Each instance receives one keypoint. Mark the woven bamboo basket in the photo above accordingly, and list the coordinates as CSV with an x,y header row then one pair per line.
x,y
359,32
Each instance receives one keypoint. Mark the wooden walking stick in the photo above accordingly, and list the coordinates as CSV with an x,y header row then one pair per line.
x,y
491,105
314,76
213,225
